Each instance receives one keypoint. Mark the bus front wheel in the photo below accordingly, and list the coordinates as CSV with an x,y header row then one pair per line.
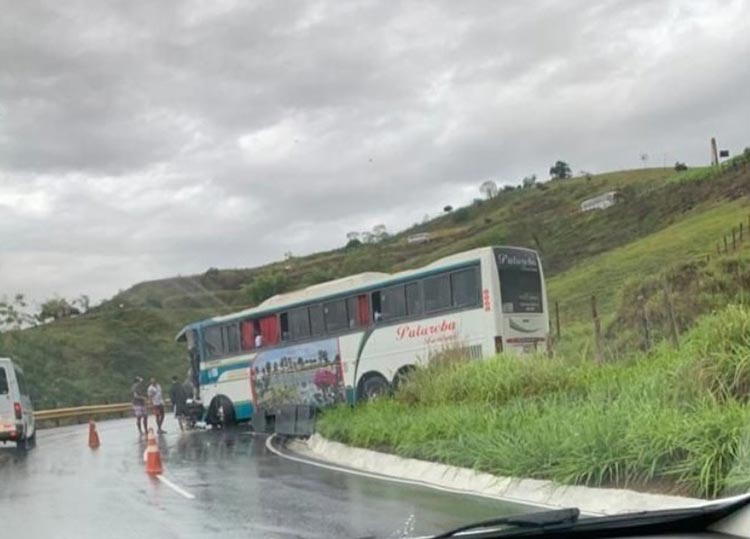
x,y
221,412
372,386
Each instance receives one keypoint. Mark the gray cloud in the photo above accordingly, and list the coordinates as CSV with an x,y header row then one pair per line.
x,y
138,141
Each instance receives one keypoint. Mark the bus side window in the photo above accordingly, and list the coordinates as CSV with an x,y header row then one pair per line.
x,y
284,321
230,338
465,288
268,328
317,324
212,342
351,311
247,333
413,299
335,315
393,302
437,293
299,323
377,315
363,310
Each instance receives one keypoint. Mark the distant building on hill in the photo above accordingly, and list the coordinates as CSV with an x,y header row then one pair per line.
x,y
601,202
419,238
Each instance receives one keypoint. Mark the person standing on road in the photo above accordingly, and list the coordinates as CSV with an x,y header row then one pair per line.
x,y
157,401
139,405
179,396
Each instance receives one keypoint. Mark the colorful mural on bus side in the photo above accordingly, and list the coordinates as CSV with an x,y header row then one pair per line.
x,y
308,373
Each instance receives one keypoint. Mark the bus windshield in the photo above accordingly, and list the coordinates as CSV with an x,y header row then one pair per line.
x,y
520,281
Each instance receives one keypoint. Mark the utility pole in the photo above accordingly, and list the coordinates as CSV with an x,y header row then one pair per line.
x,y
714,153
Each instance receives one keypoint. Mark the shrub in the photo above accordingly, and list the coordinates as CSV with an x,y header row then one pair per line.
x,y
461,215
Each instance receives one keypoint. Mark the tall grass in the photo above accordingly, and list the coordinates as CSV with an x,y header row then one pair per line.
x,y
671,421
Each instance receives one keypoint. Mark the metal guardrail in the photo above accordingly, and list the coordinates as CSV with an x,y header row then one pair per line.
x,y
85,412
81,414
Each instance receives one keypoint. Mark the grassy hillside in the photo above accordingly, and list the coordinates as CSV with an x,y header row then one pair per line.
x,y
576,422
664,219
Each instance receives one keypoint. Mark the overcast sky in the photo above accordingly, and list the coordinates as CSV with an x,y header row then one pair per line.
x,y
147,139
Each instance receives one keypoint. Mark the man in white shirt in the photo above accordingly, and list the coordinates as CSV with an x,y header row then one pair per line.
x,y
258,340
157,401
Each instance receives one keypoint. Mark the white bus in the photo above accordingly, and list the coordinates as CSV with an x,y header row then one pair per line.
x,y
352,338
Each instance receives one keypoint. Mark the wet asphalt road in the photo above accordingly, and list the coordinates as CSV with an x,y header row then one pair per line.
x,y
63,489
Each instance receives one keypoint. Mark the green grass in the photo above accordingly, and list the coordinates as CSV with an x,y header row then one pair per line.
x,y
604,275
671,422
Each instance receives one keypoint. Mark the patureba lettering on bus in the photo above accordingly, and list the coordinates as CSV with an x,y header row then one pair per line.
x,y
413,331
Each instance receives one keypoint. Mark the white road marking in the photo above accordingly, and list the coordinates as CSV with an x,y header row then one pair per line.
x,y
178,489
269,446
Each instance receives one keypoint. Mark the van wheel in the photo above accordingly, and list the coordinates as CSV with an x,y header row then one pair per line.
x,y
372,386
22,445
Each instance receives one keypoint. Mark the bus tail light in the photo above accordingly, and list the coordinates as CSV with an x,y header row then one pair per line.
x,y
498,345
17,409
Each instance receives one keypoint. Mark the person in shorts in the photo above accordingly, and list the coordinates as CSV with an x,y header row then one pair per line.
x,y
139,404
157,401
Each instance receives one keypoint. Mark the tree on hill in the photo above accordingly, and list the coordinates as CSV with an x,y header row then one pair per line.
x,y
529,181
488,189
448,208
379,232
560,171
57,308
14,313
679,167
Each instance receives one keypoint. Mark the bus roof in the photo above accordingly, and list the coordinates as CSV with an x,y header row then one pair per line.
x,y
349,284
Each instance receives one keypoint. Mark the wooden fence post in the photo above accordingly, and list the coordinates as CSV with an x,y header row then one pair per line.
x,y
718,248
742,225
644,321
726,247
673,333
597,332
557,319
734,239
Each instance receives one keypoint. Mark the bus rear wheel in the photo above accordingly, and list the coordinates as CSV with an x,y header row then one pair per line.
x,y
372,386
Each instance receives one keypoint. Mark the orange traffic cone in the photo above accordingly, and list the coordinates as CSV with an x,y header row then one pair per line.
x,y
153,456
93,435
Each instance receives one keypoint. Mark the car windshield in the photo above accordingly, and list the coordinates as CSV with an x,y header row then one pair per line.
x,y
372,269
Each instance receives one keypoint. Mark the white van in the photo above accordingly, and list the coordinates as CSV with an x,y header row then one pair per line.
x,y
16,412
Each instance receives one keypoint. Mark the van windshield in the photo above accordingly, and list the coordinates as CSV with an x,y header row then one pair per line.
x,y
3,382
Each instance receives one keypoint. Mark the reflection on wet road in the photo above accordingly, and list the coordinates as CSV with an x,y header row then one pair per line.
x,y
63,489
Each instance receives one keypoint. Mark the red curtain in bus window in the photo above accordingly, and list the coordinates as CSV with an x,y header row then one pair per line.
x,y
269,329
248,335
363,310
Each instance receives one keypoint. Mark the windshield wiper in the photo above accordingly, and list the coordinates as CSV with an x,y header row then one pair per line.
x,y
528,520
553,523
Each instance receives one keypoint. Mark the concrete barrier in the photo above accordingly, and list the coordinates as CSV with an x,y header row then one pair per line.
x,y
547,494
